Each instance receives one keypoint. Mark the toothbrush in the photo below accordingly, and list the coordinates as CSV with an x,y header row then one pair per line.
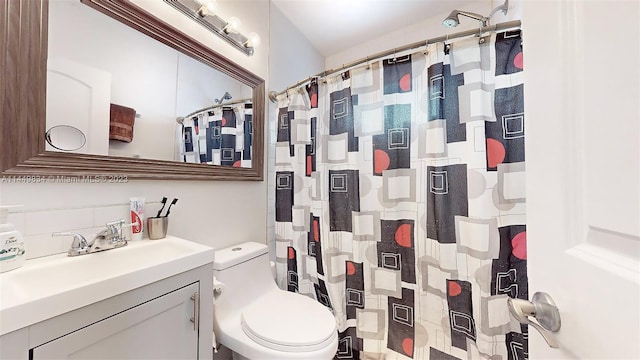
x,y
164,202
169,208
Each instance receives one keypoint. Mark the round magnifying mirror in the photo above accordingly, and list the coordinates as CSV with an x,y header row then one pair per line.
x,y
65,138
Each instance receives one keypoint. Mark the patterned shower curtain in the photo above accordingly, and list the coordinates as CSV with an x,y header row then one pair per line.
x,y
219,136
400,201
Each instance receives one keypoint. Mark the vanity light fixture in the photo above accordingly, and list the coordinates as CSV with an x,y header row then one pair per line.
x,y
207,7
204,13
232,25
253,40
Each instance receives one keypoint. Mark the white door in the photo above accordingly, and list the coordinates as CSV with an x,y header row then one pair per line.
x,y
79,95
583,185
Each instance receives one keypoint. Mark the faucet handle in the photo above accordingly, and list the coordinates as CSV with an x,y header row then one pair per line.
x,y
79,245
115,228
118,225
130,224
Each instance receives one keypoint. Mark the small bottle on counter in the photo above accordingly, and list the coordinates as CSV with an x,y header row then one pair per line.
x,y
137,217
12,253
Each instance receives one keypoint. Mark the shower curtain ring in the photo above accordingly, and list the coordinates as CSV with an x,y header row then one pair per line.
x,y
445,43
480,33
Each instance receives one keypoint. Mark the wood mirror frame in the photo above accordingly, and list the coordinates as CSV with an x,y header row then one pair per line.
x,y
23,77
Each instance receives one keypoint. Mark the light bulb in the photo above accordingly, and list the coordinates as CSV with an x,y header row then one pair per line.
x,y
232,25
253,40
207,7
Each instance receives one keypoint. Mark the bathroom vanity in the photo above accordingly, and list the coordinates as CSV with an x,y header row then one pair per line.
x,y
148,300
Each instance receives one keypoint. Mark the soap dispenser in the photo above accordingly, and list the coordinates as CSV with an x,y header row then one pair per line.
x,y
11,243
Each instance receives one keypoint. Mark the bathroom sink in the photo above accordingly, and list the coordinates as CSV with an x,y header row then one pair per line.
x,y
52,285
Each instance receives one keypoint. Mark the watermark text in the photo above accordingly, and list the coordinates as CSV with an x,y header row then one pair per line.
x,y
64,179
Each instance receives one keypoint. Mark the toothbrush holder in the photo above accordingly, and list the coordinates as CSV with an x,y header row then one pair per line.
x,y
157,227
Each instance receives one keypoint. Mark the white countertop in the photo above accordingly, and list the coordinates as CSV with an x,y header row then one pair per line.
x,y
49,286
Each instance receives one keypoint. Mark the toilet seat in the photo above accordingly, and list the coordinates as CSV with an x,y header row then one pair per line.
x,y
280,321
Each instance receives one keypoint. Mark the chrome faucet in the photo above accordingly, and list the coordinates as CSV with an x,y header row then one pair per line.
x,y
109,238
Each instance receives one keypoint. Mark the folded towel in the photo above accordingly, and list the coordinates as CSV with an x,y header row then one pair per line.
x,y
121,123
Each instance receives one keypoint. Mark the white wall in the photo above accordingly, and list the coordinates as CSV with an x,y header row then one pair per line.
x,y
430,27
215,213
198,86
292,58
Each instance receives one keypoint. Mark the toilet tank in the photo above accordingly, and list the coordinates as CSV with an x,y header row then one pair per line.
x,y
245,271
237,254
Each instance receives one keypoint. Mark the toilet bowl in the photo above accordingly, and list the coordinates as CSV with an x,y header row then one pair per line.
x,y
257,320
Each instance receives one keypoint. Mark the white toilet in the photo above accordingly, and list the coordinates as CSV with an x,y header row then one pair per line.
x,y
257,320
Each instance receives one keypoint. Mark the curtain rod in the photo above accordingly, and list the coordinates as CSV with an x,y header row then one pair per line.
x,y
180,119
415,45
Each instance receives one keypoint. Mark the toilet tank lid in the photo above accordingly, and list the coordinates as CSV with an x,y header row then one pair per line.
x,y
236,254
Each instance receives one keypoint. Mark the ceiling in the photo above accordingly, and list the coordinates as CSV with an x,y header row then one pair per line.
x,y
335,25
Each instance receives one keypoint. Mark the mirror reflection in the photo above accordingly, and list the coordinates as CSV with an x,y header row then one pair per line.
x,y
133,96
65,138
218,135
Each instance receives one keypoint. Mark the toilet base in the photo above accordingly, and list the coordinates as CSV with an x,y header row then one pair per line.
x,y
234,339
237,356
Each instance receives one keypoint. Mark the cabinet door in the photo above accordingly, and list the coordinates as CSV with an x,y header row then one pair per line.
x,y
160,328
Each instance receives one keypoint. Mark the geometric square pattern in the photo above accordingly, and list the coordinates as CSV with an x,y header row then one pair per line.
x,y
434,278
386,282
463,323
403,314
438,182
336,148
497,321
300,218
355,297
207,139
369,119
391,261
477,237
365,226
370,323
467,54
399,198
432,139
513,126
300,131
511,183
398,185
354,288
476,102
335,264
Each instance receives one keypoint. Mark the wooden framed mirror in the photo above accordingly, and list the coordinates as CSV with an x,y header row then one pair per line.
x,y
23,78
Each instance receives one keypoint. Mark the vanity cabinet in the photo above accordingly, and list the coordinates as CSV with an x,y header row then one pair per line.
x,y
159,328
168,319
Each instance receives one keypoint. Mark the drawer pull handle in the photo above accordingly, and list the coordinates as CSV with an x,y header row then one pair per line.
x,y
196,310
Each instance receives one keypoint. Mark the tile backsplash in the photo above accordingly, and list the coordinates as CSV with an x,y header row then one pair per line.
x,y
37,226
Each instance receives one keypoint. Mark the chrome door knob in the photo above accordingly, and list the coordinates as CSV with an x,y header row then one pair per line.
x,y
543,309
